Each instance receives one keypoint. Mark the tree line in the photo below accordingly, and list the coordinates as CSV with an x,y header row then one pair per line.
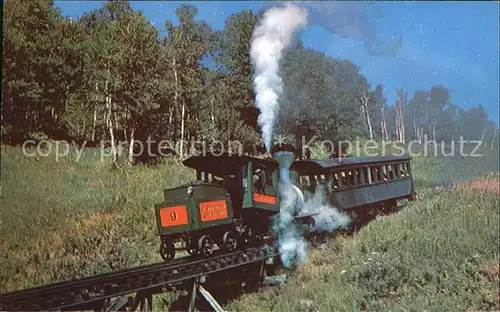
x,y
112,75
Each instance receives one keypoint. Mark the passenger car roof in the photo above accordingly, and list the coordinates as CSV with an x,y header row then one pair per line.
x,y
230,164
323,165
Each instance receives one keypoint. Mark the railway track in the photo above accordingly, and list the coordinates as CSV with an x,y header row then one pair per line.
x,y
84,292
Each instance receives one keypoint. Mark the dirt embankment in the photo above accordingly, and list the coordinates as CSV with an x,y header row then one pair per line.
x,y
490,185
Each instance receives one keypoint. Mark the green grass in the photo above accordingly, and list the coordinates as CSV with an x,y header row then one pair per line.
x,y
67,219
438,254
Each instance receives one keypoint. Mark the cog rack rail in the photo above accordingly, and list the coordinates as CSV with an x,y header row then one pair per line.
x,y
75,293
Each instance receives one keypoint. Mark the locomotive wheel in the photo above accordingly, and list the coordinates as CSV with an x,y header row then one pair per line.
x,y
230,241
206,245
167,250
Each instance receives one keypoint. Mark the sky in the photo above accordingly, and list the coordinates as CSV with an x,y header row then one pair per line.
x,y
453,44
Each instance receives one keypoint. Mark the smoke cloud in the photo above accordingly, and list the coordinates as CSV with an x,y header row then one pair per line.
x,y
269,40
327,217
292,245
359,21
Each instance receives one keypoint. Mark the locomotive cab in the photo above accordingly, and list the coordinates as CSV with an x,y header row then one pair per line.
x,y
209,211
230,203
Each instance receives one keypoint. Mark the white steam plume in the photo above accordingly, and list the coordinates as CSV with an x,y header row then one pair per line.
x,y
291,243
269,39
327,218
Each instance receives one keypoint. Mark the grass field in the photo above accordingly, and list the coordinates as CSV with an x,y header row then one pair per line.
x,y
70,219
67,219
438,254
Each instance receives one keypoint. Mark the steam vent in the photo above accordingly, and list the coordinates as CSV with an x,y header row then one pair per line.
x,y
284,155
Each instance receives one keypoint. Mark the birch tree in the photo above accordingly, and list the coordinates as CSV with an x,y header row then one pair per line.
x,y
365,110
400,104
187,44
416,109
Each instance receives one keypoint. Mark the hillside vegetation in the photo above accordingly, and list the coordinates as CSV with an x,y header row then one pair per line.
x,y
68,219
438,254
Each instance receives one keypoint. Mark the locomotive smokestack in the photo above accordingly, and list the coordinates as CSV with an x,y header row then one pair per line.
x,y
284,155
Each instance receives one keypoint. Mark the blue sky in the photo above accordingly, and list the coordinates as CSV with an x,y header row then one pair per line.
x,y
454,44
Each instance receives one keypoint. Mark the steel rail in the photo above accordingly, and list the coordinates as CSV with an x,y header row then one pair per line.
x,y
70,294
65,284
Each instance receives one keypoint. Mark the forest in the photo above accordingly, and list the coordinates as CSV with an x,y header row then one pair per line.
x,y
113,76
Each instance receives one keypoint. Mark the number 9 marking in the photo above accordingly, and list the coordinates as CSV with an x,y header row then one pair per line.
x,y
173,216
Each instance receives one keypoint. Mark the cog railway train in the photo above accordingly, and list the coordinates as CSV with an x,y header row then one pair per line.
x,y
231,203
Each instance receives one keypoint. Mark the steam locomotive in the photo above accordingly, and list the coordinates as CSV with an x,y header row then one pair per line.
x,y
234,199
